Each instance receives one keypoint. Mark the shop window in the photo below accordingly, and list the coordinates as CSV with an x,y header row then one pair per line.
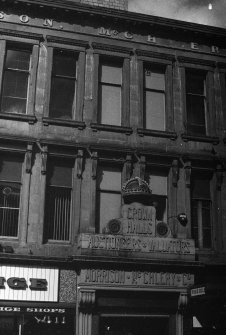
x,y
16,77
108,195
36,324
110,92
63,85
154,100
201,208
58,199
158,184
10,187
196,102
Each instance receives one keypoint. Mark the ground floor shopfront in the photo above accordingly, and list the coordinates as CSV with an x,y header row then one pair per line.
x,y
102,298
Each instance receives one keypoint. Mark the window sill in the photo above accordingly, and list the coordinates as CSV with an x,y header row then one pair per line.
x,y
157,133
108,127
63,122
196,138
31,119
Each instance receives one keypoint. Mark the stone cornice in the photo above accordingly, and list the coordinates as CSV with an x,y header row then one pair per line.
x,y
128,16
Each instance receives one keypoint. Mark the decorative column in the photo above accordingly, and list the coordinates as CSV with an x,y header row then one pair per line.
x,y
182,304
86,302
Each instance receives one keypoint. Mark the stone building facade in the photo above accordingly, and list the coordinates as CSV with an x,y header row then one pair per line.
x,y
112,171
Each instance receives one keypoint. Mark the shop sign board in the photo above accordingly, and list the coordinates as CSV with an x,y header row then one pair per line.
x,y
19,283
138,245
141,279
197,291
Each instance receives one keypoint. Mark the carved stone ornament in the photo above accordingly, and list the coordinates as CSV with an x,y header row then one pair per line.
x,y
86,298
28,158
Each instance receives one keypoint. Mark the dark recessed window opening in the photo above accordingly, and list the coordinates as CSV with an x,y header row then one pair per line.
x,y
196,102
63,85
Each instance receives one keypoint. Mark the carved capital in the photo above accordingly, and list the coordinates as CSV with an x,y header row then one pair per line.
x,y
86,298
79,163
182,302
128,167
175,172
44,160
28,158
187,172
94,158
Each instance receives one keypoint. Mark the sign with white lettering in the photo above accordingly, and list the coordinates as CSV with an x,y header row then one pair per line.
x,y
135,279
197,291
28,283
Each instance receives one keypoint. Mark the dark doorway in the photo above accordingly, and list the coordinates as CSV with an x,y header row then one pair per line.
x,y
134,325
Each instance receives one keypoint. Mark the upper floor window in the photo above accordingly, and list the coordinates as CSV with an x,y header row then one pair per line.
x,y
201,211
109,186
110,91
16,76
58,199
196,102
158,183
63,85
154,99
10,186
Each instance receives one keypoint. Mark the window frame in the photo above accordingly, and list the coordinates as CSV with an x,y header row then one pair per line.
x,y
105,165
206,175
55,156
24,151
122,55
78,48
153,169
162,61
187,64
22,43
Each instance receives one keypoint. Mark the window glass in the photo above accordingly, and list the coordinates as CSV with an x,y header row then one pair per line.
x,y
58,200
201,211
196,102
108,195
63,85
154,97
17,59
10,185
155,78
15,81
110,104
155,110
110,92
158,184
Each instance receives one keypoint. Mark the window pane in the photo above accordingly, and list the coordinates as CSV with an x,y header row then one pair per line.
x,y
57,213
111,73
62,98
109,208
11,168
154,79
109,179
195,83
59,172
110,105
200,188
64,64
154,110
16,59
158,184
14,96
160,203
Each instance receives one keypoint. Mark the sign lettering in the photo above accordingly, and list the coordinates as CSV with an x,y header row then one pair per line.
x,y
135,278
21,283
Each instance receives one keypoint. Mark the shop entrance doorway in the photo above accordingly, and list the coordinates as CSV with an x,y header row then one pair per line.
x,y
135,325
